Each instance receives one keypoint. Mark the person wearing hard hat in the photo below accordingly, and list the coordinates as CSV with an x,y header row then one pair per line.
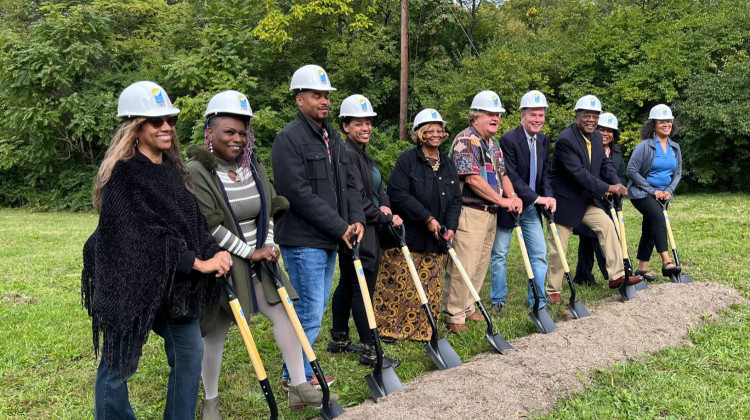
x,y
485,189
151,263
580,173
424,191
356,122
239,202
311,170
655,169
526,154
588,243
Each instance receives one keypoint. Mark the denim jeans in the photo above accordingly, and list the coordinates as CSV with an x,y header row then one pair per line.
x,y
184,348
533,236
311,274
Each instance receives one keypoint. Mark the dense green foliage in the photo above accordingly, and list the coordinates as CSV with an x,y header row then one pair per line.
x,y
64,62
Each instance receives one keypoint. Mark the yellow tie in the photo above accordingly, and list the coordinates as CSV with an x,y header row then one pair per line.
x,y
588,146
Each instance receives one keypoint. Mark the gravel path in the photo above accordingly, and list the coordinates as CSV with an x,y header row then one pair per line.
x,y
543,368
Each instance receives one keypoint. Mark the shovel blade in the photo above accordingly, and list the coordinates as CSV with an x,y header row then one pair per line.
x,y
641,285
685,278
627,293
384,383
542,320
377,388
578,310
444,356
498,343
328,412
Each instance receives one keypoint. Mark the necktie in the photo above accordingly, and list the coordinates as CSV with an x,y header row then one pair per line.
x,y
532,164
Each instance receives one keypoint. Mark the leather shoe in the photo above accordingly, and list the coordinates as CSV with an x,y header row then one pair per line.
x,y
475,316
456,328
554,298
614,284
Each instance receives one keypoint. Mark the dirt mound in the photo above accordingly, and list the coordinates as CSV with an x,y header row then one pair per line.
x,y
543,368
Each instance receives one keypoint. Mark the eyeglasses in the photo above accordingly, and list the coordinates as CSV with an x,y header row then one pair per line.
x,y
588,117
157,122
664,122
438,132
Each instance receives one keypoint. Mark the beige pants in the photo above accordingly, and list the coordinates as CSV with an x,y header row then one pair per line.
x,y
596,219
473,245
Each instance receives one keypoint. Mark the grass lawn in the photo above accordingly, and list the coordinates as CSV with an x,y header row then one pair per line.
x,y
47,365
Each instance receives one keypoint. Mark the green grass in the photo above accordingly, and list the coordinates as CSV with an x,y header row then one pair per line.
x,y
47,365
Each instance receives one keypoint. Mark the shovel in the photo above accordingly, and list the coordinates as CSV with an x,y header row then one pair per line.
x,y
674,278
382,381
252,350
327,411
496,341
542,320
627,292
621,220
439,350
575,306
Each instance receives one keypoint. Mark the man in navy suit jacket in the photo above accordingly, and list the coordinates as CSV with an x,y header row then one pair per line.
x,y
526,152
580,172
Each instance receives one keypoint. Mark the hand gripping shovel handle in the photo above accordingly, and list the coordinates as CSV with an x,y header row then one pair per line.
x,y
252,349
326,411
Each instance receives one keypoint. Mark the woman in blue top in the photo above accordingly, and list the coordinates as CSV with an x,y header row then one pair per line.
x,y
654,171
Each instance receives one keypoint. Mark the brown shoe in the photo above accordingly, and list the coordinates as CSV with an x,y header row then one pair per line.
x,y
456,328
475,316
554,298
614,284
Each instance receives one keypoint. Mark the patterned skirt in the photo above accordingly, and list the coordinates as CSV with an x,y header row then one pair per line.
x,y
398,311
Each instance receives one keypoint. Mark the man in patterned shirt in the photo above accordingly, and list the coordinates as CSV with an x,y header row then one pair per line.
x,y
485,187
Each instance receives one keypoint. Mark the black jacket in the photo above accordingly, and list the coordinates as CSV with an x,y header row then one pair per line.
x,y
616,155
410,189
575,181
322,195
361,165
516,153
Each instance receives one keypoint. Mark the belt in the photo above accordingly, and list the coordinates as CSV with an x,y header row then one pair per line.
x,y
491,209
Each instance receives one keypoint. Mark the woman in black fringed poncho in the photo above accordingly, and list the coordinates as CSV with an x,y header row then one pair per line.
x,y
149,264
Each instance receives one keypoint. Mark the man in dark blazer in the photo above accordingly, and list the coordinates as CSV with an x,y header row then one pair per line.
x,y
526,152
580,172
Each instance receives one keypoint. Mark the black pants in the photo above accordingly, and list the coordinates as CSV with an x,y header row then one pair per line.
x,y
653,228
348,298
588,247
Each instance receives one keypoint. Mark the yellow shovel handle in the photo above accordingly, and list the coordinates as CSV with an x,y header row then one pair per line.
x,y
615,220
464,275
414,275
247,337
558,244
524,254
669,230
365,293
623,242
287,302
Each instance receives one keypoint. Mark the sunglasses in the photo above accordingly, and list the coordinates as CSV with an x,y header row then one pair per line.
x,y
157,122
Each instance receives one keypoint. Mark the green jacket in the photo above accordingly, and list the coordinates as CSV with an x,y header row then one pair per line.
x,y
208,191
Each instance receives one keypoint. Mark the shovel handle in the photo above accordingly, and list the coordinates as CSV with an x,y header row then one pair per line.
x,y
464,275
558,244
247,337
414,275
623,241
669,225
365,294
524,253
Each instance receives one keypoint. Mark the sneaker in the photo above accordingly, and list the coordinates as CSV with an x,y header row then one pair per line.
x,y
341,343
368,357
314,382
497,307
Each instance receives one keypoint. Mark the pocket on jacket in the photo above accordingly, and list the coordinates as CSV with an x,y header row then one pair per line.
x,y
315,165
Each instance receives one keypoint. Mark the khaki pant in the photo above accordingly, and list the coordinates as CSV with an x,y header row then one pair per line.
x,y
473,245
596,219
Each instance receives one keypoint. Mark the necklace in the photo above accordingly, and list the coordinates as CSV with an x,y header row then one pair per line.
x,y
434,166
236,174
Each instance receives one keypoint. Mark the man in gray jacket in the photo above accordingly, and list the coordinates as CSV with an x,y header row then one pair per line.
x,y
311,170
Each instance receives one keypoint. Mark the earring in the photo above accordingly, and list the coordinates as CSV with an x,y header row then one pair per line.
x,y
136,142
210,146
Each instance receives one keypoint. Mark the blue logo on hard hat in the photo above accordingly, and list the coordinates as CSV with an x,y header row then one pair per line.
x,y
664,110
363,104
593,101
433,113
323,77
537,98
495,100
159,97
610,119
243,102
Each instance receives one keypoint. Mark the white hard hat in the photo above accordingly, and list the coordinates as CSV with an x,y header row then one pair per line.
x,y
229,102
145,99
608,120
660,112
487,100
589,103
425,116
533,99
311,77
356,106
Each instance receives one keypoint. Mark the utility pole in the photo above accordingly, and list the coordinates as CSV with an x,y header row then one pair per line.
x,y
404,70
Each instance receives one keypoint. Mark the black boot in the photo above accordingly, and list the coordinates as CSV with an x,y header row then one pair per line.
x,y
340,343
368,357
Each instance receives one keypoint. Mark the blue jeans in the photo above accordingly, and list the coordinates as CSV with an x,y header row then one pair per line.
x,y
533,236
311,274
184,348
